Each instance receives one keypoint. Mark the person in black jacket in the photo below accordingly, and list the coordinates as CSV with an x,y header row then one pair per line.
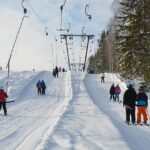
x,y
56,72
129,102
112,92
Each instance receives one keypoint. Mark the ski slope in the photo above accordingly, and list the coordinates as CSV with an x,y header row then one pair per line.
x,y
75,114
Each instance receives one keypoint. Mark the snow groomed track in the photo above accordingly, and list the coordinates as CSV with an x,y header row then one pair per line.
x,y
75,114
29,120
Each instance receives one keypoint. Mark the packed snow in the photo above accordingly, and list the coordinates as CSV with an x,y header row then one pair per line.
x,y
75,114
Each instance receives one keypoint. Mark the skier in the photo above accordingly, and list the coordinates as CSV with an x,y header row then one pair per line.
x,y
142,104
103,77
56,71
3,97
59,69
112,92
117,92
63,70
43,87
39,87
129,101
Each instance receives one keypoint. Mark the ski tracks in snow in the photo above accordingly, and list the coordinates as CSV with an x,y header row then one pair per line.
x,y
28,121
83,126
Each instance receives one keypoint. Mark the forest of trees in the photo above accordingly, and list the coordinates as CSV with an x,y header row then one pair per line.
x,y
124,47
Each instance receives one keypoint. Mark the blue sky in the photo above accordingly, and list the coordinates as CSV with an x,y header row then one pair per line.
x,y
33,49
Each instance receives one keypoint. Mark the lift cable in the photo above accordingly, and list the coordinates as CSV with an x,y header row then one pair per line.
x,y
41,20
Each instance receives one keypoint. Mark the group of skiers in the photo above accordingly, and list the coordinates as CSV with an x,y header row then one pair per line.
x,y
115,92
131,99
41,87
57,70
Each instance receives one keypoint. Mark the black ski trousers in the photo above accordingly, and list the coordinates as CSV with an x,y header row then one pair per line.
x,y
112,96
130,112
3,104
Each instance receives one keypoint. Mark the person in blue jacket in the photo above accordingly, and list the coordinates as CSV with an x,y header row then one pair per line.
x,y
142,104
39,87
43,85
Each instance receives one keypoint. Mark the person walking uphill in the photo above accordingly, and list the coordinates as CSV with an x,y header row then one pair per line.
x,y
142,104
39,87
3,97
56,71
112,92
117,92
129,102
43,86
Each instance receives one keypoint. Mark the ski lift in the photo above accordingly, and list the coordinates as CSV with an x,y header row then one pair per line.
x,y
46,31
24,9
61,10
70,37
69,27
83,34
93,40
88,15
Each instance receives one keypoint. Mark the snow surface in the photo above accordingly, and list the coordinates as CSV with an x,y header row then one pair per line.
x,y
75,114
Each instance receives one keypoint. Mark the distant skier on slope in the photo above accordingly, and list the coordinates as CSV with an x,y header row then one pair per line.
x,y
129,102
3,97
142,104
103,77
39,87
43,86
56,71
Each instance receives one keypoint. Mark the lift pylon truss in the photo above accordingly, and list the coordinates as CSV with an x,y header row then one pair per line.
x,y
70,36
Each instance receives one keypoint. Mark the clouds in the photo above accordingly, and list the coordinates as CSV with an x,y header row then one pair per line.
x,y
33,49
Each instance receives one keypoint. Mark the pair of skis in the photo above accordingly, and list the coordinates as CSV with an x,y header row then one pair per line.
x,y
137,124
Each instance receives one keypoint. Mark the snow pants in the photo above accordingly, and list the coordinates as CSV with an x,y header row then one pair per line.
x,y
43,91
117,97
131,113
112,96
141,112
39,90
3,104
102,79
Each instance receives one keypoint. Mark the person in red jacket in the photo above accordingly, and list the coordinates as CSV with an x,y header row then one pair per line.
x,y
3,97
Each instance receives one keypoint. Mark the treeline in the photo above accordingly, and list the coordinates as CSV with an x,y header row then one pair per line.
x,y
124,47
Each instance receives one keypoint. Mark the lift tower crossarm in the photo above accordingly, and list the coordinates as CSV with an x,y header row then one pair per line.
x,y
65,36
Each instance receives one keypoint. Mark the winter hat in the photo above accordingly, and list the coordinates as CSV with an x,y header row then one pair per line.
x,y
141,88
130,86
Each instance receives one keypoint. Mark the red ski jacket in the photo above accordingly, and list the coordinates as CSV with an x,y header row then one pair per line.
x,y
3,96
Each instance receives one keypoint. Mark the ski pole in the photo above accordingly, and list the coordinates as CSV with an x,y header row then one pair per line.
x,y
147,113
126,106
10,101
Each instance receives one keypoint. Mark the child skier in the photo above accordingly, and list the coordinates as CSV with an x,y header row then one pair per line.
x,y
142,104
